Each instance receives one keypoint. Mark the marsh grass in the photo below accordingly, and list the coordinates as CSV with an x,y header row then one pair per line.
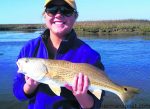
x,y
109,27
114,27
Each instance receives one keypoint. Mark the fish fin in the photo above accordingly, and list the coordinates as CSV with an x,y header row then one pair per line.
x,y
45,70
55,87
38,75
128,94
97,93
56,90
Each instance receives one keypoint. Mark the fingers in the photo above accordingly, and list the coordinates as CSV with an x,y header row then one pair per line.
x,y
68,87
26,78
75,82
30,85
80,84
86,84
30,81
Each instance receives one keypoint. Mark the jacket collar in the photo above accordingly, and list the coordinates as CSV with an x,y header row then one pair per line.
x,y
66,43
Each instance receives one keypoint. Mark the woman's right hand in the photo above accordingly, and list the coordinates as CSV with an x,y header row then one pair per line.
x,y
30,85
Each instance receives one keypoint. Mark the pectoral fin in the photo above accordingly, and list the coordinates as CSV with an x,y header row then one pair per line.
x,y
97,93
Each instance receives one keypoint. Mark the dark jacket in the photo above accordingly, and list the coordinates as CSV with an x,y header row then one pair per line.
x,y
71,49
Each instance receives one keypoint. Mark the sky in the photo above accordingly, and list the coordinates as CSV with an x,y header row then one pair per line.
x,y
30,11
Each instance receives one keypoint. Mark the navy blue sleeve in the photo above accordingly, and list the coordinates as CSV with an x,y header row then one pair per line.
x,y
99,64
19,82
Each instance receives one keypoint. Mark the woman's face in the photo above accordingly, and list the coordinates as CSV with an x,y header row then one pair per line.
x,y
58,23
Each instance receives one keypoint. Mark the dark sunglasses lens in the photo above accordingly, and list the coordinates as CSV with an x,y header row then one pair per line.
x,y
66,11
52,10
62,9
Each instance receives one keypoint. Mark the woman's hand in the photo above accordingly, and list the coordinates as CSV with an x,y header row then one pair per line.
x,y
79,90
30,85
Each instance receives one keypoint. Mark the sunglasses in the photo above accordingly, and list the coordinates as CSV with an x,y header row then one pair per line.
x,y
64,10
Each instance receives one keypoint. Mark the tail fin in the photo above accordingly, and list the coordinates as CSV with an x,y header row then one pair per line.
x,y
127,94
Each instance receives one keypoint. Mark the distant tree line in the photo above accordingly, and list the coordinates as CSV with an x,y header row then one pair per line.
x,y
92,27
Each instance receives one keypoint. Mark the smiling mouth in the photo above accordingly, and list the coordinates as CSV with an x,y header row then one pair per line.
x,y
59,23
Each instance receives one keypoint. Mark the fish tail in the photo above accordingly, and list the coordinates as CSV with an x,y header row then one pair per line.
x,y
127,94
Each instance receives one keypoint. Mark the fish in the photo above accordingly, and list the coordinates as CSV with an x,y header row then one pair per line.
x,y
56,73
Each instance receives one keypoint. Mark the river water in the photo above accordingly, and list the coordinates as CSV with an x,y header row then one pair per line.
x,y
126,60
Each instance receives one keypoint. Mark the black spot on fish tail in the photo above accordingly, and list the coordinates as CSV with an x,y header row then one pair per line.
x,y
125,89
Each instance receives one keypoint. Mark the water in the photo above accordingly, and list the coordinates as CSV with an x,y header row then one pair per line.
x,y
126,61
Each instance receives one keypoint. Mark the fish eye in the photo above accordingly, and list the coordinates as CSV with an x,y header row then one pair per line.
x,y
27,60
125,89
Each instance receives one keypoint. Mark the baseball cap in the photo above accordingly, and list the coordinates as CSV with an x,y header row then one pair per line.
x,y
69,2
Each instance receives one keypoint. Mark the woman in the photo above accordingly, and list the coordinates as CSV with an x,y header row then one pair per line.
x,y
60,42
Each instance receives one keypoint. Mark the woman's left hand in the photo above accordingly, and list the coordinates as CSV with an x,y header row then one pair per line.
x,y
79,90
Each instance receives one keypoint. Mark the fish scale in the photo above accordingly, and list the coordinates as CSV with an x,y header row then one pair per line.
x,y
69,70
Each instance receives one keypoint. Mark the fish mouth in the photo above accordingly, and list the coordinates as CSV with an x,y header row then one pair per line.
x,y
19,67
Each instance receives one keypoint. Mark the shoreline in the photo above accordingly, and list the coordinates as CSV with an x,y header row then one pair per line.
x,y
112,27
